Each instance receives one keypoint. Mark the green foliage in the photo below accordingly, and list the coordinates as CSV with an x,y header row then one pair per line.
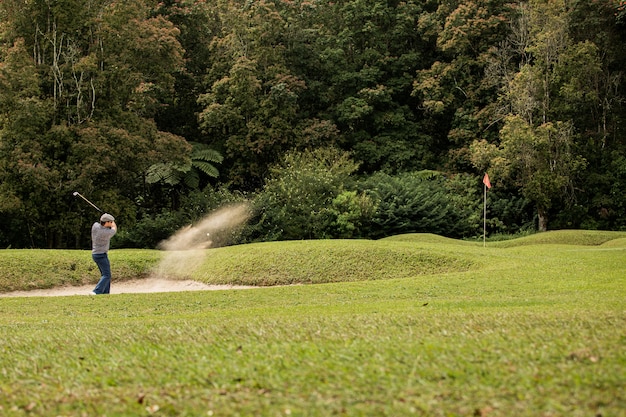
x,y
453,85
367,66
200,203
189,172
149,231
305,198
421,202
351,210
105,97
76,113
540,160
251,103
549,95
620,15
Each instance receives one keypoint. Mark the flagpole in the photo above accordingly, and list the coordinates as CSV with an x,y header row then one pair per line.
x,y
485,217
487,185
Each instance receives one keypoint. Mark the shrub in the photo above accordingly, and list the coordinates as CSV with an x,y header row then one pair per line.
x,y
424,202
305,198
150,230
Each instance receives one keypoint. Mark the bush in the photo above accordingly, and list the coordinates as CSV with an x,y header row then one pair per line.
x,y
350,211
422,202
308,196
150,230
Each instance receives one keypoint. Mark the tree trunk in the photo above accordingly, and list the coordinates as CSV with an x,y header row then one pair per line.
x,y
543,219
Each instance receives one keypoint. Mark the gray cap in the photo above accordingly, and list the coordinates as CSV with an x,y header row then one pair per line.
x,y
106,217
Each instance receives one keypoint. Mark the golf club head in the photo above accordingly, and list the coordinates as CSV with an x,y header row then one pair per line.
x,y
76,193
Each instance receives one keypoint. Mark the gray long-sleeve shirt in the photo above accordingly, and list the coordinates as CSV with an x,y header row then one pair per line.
x,y
101,238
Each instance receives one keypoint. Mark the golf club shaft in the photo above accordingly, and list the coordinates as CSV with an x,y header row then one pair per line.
x,y
76,193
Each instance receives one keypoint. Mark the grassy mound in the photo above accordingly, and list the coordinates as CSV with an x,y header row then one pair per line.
x,y
285,263
322,261
427,238
556,237
615,243
563,237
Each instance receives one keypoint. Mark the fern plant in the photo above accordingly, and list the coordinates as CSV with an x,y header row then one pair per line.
x,y
200,162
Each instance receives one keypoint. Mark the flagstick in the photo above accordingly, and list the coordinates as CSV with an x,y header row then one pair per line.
x,y
485,218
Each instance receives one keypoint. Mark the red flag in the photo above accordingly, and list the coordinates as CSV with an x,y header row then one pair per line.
x,y
486,180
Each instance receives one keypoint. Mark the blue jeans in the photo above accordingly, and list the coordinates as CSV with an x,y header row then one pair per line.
x,y
104,285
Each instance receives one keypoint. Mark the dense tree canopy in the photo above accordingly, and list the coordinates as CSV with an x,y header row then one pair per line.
x,y
150,108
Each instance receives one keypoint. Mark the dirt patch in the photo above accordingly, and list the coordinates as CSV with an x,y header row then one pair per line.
x,y
125,287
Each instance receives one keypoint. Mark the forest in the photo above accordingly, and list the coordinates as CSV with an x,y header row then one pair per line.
x,y
328,118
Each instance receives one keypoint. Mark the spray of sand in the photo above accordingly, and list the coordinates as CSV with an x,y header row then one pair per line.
x,y
186,250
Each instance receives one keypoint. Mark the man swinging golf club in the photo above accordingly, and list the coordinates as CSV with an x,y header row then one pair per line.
x,y
101,234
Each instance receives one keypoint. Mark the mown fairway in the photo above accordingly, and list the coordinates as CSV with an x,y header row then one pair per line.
x,y
414,325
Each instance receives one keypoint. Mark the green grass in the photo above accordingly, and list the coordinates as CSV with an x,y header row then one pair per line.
x,y
536,328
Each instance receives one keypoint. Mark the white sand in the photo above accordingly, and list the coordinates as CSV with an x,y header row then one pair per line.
x,y
134,286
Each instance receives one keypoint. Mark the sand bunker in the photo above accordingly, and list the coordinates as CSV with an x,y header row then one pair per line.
x,y
125,287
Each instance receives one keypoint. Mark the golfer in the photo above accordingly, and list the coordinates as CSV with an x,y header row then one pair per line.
x,y
101,234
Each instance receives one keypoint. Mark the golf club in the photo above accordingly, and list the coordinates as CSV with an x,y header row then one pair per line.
x,y
76,193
